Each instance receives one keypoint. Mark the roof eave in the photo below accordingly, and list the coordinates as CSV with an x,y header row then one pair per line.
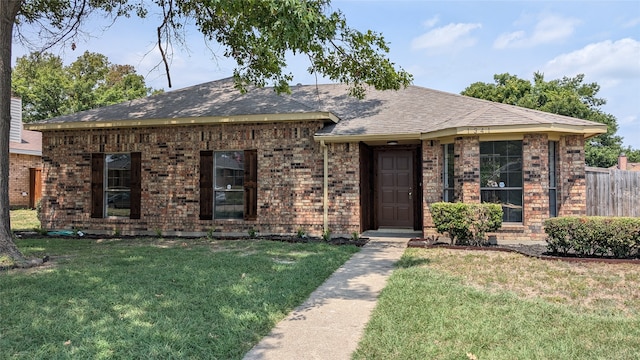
x,y
26,152
586,130
206,120
366,138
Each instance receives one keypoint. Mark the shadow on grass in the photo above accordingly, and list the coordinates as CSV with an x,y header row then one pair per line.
x,y
407,261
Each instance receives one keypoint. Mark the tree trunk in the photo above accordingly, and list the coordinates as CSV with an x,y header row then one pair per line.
x,y
8,13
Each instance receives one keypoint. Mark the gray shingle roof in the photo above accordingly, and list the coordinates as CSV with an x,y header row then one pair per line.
x,y
408,111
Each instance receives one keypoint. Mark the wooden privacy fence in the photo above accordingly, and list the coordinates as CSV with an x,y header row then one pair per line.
x,y
613,192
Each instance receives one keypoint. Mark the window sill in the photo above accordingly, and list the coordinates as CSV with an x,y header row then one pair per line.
x,y
512,226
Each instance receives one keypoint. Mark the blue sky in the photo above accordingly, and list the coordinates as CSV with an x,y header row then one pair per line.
x,y
446,45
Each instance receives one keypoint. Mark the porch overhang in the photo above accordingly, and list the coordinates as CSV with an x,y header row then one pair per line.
x,y
487,132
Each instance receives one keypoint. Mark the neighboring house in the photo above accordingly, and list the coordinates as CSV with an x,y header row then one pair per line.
x,y
623,164
208,157
25,161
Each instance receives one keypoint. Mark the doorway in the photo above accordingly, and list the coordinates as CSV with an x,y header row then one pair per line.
x,y
395,188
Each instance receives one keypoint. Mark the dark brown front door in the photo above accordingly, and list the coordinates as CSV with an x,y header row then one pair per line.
x,y
395,188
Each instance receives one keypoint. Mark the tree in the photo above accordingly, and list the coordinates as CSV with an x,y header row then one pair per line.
x,y
258,34
568,96
49,89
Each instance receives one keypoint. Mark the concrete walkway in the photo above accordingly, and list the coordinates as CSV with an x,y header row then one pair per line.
x,y
330,323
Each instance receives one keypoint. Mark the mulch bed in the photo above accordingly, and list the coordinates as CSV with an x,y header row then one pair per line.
x,y
535,251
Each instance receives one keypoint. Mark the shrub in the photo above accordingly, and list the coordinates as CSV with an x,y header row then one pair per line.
x,y
595,235
466,224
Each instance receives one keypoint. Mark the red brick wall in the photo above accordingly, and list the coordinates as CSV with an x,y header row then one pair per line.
x,y
19,165
535,172
467,169
290,178
432,186
572,185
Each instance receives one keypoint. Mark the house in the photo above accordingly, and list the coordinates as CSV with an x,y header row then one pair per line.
x,y
208,157
623,164
25,161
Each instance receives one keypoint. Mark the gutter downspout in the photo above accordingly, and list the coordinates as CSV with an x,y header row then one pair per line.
x,y
325,187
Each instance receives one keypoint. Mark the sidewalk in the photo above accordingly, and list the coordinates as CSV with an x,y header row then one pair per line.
x,y
330,323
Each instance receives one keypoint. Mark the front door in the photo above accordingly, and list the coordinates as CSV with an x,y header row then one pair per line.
x,y
395,188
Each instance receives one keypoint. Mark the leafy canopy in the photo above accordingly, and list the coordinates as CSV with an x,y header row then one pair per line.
x,y
258,34
568,96
49,89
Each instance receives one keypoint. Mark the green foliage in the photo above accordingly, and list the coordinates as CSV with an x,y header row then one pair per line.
x,y
158,232
586,236
301,233
326,235
211,233
568,96
466,224
252,233
355,236
49,89
257,34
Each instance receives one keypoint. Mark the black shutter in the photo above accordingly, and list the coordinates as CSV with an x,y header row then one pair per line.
x,y
97,186
136,185
206,185
250,184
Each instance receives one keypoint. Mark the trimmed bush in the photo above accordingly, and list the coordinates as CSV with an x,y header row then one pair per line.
x,y
618,237
466,224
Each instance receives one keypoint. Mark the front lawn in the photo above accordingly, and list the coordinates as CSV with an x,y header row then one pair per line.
x,y
155,298
24,220
448,304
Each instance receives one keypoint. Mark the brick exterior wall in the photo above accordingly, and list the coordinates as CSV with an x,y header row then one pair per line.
x,y
19,178
432,181
535,172
572,183
290,178
467,169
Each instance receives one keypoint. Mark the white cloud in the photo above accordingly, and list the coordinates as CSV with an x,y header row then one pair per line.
x,y
610,62
504,40
548,29
452,36
431,22
631,23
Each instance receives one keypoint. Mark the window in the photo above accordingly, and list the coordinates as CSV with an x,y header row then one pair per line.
x,y
228,184
501,177
553,182
115,185
447,173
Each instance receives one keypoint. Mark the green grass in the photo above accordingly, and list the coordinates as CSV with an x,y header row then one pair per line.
x,y
426,313
155,298
24,220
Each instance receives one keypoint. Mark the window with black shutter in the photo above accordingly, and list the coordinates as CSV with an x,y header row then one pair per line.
x,y
228,185
116,185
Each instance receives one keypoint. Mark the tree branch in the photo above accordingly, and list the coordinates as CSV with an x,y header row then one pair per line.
x,y
165,21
